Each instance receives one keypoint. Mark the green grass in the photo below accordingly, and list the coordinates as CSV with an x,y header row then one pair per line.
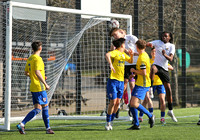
x,y
186,128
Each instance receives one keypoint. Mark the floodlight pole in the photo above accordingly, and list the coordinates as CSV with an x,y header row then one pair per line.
x,y
184,85
160,17
136,14
78,64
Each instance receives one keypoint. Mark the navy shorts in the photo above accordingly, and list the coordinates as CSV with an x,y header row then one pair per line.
x,y
115,89
140,92
40,97
160,89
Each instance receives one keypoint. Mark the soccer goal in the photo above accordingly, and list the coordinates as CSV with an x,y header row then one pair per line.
x,y
74,50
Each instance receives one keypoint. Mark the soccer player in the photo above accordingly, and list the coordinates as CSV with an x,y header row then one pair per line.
x,y
117,33
115,84
164,52
142,85
35,70
157,85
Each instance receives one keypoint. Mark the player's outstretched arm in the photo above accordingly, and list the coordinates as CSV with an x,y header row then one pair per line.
x,y
39,75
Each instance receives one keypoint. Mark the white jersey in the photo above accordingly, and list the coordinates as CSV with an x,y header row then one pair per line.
x,y
160,60
130,43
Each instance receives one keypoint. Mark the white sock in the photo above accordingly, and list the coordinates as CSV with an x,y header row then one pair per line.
x,y
171,111
22,124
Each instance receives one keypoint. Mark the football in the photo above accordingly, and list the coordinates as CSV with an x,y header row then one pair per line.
x,y
114,24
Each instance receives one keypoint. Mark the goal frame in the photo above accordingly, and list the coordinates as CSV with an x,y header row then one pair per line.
x,y
9,14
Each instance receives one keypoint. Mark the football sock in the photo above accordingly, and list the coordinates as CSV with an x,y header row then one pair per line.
x,y
170,106
144,110
113,116
108,118
141,114
162,114
134,112
30,115
45,116
151,110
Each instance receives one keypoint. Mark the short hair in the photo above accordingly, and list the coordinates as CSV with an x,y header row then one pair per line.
x,y
114,30
170,34
118,43
35,45
141,44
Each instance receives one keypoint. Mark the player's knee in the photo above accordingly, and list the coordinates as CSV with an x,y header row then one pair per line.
x,y
162,101
37,110
132,104
45,108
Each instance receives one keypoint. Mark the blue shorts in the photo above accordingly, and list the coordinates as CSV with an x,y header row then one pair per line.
x,y
140,92
160,89
40,97
115,89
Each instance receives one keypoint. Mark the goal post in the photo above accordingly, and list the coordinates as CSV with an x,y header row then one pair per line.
x,y
59,37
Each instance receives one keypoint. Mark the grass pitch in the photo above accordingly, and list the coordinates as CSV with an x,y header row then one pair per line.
x,y
186,128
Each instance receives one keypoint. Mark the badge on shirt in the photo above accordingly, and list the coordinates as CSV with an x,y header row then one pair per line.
x,y
44,99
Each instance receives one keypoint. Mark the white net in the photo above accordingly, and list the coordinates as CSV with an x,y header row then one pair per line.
x,y
74,55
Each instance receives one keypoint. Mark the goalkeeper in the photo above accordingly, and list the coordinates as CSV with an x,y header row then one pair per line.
x,y
115,84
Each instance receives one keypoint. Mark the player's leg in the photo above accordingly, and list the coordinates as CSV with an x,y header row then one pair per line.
x,y
110,114
45,117
31,114
169,100
150,103
141,114
154,70
139,93
120,92
116,105
165,78
162,107
161,93
112,95
124,91
134,102
43,100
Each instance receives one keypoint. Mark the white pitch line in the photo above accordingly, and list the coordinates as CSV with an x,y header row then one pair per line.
x,y
76,125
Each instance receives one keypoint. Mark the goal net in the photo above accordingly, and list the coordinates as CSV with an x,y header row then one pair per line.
x,y
73,52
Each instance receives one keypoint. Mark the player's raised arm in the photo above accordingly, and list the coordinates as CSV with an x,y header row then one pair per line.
x,y
131,53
